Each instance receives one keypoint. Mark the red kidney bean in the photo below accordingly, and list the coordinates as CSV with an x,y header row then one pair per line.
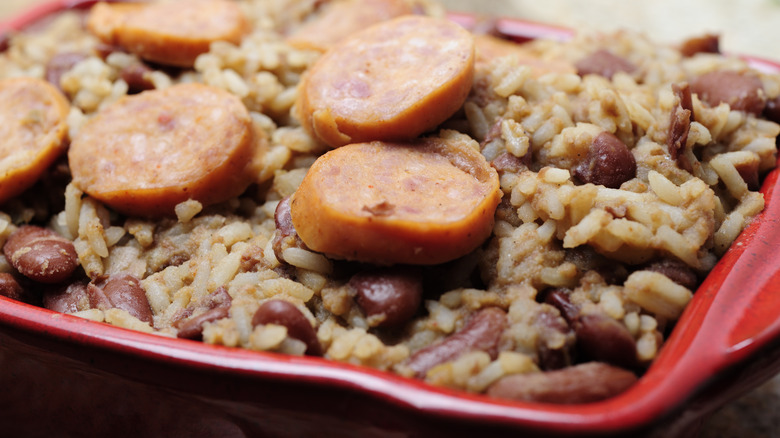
x,y
60,64
741,91
680,125
98,298
41,254
10,288
609,162
676,271
192,328
5,41
683,93
677,136
599,337
584,383
772,109
122,291
749,173
507,162
103,50
603,63
708,43
604,339
215,306
559,298
286,235
136,77
284,313
394,293
69,299
481,332
550,323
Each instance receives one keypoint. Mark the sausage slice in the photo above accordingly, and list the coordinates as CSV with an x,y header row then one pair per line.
x,y
32,132
392,81
169,33
148,152
343,18
489,48
422,202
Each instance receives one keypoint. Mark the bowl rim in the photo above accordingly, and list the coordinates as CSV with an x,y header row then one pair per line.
x,y
701,355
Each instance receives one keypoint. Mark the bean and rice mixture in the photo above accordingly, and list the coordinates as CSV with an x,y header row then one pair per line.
x,y
626,169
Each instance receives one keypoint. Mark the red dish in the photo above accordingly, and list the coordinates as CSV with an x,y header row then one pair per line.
x,y
65,376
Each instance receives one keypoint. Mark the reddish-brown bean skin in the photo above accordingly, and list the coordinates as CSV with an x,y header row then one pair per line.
x,y
507,162
124,291
192,328
708,43
676,271
741,91
41,254
393,292
559,299
551,322
609,162
135,76
772,109
10,288
604,63
103,50
584,383
5,41
281,312
98,298
481,332
285,231
216,305
679,127
604,339
599,337
749,174
70,299
683,92
60,64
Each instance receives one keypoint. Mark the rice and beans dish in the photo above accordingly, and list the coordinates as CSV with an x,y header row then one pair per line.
x,y
377,185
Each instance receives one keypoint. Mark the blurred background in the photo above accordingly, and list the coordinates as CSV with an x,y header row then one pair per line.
x,y
745,26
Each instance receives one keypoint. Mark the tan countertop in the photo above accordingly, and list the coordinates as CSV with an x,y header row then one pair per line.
x,y
746,26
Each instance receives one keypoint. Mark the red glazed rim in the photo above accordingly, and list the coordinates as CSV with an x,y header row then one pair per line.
x,y
726,342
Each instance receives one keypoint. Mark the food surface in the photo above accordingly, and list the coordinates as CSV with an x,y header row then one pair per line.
x,y
524,221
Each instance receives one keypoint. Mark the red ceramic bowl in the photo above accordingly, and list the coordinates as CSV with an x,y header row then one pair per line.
x,y
64,376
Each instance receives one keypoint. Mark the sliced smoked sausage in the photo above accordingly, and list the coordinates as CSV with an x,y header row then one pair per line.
x,y
169,33
342,18
148,152
32,132
392,81
422,202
